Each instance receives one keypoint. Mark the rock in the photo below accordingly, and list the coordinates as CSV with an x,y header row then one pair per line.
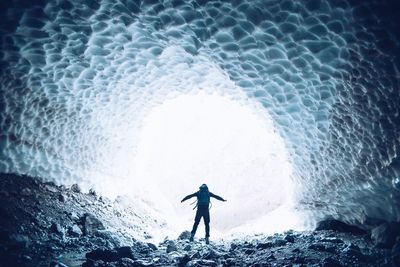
x,y
103,255
318,247
57,264
125,252
229,262
198,263
249,251
195,255
211,254
384,236
171,246
56,228
75,231
339,226
184,235
265,245
91,225
279,242
352,246
184,260
62,197
98,263
141,248
299,259
51,188
353,250
152,246
92,192
396,253
75,188
332,240
18,241
74,216
289,238
27,257
142,263
233,246
296,250
331,262
125,262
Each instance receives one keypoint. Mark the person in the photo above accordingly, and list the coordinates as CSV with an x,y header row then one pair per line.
x,y
203,202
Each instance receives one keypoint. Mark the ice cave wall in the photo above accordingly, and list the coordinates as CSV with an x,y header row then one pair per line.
x,y
76,75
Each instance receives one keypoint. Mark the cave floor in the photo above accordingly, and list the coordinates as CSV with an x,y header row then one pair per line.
x,y
42,224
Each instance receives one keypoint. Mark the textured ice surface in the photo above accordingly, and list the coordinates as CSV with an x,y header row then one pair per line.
x,y
77,76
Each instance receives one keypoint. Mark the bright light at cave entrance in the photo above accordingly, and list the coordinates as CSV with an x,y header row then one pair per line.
x,y
230,145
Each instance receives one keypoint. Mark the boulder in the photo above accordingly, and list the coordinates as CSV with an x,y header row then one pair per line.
x,y
75,188
56,228
183,261
105,255
289,238
62,197
125,252
384,236
91,225
171,246
271,257
265,245
141,248
152,246
73,216
75,231
184,235
279,242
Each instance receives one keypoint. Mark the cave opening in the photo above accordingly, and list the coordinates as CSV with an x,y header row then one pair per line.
x,y
198,137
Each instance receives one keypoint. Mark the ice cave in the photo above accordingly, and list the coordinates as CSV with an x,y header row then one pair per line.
x,y
113,110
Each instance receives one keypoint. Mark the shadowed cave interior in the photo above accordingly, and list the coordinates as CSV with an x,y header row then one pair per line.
x,y
112,111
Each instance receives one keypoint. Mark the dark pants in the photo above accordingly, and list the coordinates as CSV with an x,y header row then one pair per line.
x,y
202,211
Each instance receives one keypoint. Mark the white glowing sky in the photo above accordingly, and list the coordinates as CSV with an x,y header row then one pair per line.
x,y
209,138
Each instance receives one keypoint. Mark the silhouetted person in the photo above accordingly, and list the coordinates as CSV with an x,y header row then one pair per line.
x,y
203,202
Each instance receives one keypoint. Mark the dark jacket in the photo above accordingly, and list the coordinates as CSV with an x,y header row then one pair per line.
x,y
197,195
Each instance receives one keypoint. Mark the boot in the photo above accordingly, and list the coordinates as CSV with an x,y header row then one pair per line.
x,y
207,241
191,238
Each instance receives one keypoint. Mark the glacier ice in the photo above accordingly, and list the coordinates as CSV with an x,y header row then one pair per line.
x,y
78,77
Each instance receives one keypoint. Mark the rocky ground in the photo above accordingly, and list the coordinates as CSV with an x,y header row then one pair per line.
x,y
42,224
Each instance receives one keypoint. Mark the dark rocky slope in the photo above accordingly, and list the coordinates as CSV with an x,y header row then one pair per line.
x,y
42,224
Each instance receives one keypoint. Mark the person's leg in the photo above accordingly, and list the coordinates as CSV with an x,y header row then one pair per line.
x,y
206,216
196,223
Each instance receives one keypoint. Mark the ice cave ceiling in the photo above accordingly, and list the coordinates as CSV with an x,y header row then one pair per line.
x,y
77,76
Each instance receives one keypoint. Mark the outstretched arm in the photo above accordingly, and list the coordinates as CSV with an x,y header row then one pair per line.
x,y
217,197
189,196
